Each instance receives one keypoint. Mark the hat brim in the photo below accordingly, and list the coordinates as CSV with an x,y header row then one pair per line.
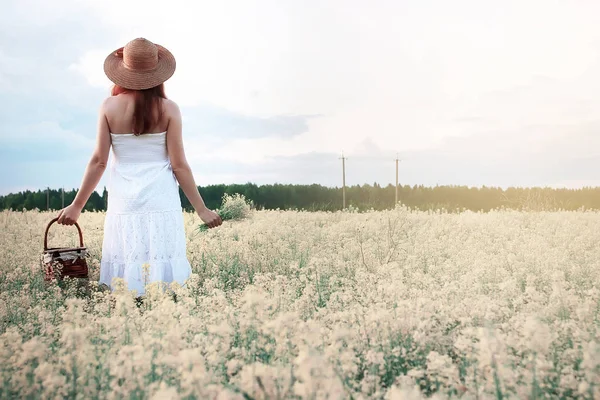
x,y
115,70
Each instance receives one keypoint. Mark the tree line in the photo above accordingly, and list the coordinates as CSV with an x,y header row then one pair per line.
x,y
362,197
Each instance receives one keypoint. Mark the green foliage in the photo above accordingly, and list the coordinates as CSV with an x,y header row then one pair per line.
x,y
321,198
54,200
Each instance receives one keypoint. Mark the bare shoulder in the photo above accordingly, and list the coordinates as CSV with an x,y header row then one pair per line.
x,y
171,108
107,103
113,102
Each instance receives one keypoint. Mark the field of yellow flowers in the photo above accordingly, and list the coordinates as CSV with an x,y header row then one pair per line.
x,y
389,305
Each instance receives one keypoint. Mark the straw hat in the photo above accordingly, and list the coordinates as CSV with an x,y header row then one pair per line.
x,y
139,65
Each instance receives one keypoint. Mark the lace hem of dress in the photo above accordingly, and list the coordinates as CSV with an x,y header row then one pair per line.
x,y
149,237
137,276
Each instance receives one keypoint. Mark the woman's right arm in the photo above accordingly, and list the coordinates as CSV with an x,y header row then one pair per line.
x,y
182,169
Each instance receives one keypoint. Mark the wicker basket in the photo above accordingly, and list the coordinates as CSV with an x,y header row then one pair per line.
x,y
61,262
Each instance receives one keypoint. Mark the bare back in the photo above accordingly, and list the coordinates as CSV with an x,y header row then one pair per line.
x,y
119,114
117,118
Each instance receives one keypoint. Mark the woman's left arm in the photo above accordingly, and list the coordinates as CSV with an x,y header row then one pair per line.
x,y
93,172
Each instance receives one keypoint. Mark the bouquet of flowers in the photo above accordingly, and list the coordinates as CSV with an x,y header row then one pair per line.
x,y
234,207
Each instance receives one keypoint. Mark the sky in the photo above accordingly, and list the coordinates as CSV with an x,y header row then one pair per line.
x,y
463,92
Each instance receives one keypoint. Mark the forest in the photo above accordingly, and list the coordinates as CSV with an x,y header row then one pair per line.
x,y
359,197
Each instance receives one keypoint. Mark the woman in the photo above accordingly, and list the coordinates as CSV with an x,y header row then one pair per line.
x,y
144,237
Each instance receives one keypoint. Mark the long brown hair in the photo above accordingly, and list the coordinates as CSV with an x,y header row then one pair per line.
x,y
148,109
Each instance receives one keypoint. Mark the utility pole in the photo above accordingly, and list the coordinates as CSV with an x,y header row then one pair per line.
x,y
396,202
343,180
63,196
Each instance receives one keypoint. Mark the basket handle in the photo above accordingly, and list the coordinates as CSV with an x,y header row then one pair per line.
x,y
48,228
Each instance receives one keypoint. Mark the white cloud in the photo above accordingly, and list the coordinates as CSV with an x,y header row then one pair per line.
x,y
50,133
90,66
497,83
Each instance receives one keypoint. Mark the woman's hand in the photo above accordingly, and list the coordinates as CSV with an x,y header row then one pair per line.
x,y
210,218
69,215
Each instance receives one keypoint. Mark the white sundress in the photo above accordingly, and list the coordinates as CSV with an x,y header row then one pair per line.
x,y
144,218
